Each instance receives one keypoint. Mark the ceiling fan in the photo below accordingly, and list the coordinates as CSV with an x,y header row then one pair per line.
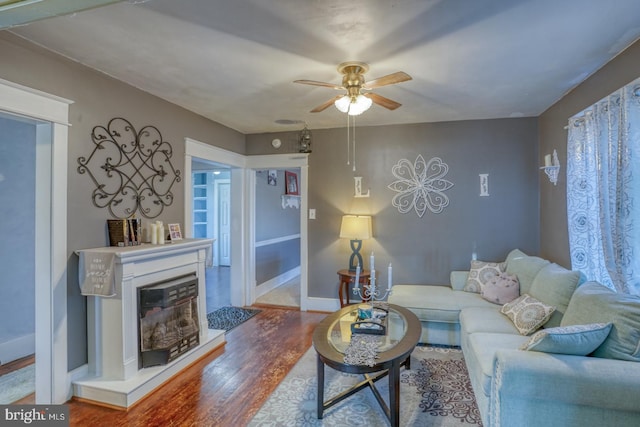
x,y
358,99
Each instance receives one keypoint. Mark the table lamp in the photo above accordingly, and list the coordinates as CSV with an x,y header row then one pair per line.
x,y
356,228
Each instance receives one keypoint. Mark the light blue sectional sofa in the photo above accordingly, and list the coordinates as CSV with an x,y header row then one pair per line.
x,y
516,387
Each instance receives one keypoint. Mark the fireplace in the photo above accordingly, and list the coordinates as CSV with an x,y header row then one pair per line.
x,y
155,325
168,320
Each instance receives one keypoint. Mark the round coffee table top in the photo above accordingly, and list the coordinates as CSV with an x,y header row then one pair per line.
x,y
332,336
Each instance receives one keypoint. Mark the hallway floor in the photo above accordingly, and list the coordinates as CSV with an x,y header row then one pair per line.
x,y
219,291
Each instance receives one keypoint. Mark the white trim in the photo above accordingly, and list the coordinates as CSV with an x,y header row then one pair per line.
x,y
277,240
271,284
328,305
17,348
20,100
52,384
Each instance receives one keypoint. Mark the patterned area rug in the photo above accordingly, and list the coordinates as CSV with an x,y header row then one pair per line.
x,y
435,392
227,318
17,384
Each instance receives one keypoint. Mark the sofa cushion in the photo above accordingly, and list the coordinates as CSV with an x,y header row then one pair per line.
x,y
480,353
480,272
554,285
515,253
527,313
525,268
485,319
501,289
595,303
435,303
579,340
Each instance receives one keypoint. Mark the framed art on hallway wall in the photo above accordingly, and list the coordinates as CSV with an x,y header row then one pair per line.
x,y
291,183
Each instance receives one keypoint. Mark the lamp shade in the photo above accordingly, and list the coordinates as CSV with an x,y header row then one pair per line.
x,y
356,227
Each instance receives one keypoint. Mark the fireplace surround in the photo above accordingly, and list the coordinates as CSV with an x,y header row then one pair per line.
x,y
117,372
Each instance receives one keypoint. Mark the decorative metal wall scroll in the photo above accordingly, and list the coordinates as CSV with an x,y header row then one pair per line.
x,y
420,185
131,170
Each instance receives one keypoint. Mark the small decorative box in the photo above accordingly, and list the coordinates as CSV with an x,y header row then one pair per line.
x,y
376,325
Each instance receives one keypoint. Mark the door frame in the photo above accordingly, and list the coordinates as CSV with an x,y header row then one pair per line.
x,y
243,180
52,382
217,216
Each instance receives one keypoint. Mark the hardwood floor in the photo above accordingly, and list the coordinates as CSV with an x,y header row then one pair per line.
x,y
225,388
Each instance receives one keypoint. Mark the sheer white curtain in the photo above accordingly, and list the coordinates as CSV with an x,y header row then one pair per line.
x,y
603,190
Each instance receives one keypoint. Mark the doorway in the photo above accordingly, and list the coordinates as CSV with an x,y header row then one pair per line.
x,y
212,219
49,115
243,213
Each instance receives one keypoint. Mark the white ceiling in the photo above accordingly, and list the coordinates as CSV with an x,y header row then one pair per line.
x,y
234,61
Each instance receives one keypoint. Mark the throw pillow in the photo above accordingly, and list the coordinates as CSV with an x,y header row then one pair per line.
x,y
595,303
480,272
501,289
554,285
527,313
578,340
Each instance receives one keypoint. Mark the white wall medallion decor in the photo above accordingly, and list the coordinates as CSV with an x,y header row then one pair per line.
x,y
420,186
132,171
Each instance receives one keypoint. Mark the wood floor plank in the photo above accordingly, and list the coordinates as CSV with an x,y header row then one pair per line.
x,y
225,388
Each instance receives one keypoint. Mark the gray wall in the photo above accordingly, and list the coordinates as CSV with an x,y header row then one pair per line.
x,y
422,250
99,98
273,222
17,233
554,240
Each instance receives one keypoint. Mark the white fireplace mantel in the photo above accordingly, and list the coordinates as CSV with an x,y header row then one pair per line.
x,y
112,322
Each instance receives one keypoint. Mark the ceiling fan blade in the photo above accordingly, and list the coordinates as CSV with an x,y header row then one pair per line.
x,y
326,105
389,79
315,83
382,101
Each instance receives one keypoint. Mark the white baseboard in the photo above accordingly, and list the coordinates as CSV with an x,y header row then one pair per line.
x,y
271,284
328,305
17,348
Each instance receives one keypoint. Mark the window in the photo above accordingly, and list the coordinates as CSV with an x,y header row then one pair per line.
x,y
603,190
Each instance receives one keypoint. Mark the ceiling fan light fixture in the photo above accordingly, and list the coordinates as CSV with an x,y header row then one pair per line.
x,y
359,105
342,103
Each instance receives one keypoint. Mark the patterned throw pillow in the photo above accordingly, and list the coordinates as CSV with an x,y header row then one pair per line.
x,y
501,289
480,272
527,313
579,340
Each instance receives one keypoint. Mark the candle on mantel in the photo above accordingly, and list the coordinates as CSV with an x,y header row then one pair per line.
x,y
390,280
357,287
371,260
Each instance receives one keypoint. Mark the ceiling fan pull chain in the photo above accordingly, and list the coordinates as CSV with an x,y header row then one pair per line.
x,y
354,143
348,143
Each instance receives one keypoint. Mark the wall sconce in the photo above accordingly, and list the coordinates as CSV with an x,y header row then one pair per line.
x,y
356,228
305,140
551,167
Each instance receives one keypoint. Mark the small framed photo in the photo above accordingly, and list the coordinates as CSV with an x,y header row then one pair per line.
x,y
272,177
174,232
291,182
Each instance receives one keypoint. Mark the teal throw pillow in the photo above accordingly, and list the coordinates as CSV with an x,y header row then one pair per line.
x,y
578,340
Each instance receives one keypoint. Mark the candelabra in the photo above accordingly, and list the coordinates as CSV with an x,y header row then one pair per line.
x,y
371,293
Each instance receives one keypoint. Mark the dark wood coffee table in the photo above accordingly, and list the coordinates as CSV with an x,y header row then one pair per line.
x,y
331,337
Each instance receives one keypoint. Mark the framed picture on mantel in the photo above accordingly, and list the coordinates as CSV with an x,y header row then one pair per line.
x,y
174,232
291,183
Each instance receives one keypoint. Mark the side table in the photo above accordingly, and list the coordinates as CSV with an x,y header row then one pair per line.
x,y
346,278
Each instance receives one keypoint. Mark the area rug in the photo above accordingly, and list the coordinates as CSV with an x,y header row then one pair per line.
x,y
435,392
227,318
17,384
